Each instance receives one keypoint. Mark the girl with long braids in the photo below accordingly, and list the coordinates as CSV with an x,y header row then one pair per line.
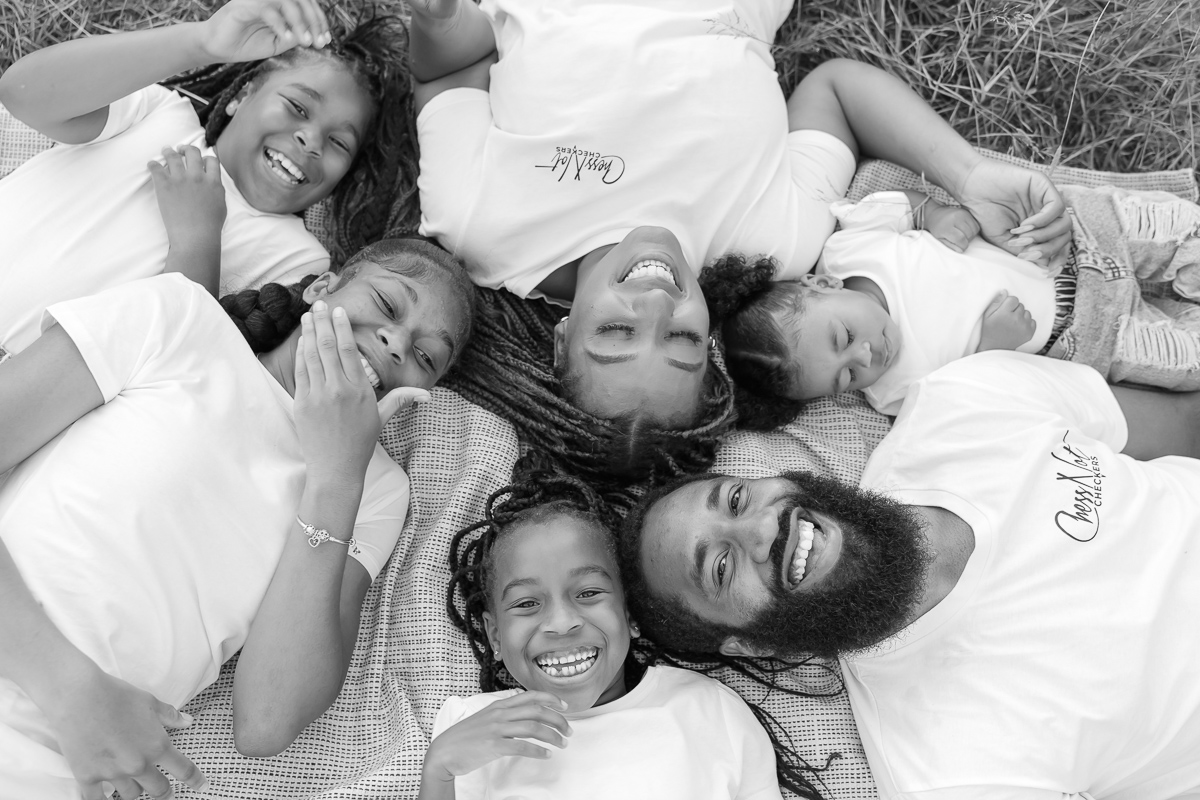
x,y
176,496
295,115
537,590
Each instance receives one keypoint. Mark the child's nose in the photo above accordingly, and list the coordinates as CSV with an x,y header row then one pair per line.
x,y
395,341
863,356
308,141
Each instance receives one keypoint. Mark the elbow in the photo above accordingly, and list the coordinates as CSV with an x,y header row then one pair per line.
x,y
259,739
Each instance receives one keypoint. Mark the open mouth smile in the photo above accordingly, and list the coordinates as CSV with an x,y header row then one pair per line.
x,y
567,663
797,566
372,375
651,268
284,167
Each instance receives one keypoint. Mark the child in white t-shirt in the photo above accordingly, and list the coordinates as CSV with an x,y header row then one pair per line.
x,y
291,114
545,610
891,302
176,495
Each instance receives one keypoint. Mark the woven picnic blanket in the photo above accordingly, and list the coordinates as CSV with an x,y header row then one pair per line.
x,y
409,657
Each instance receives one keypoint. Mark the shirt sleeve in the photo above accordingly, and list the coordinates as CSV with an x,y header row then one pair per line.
x,y
381,513
452,130
122,330
749,740
131,109
822,167
998,384
881,211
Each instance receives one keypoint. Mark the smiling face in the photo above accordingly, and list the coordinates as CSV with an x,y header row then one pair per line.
x,y
636,340
783,565
293,134
556,611
842,339
402,325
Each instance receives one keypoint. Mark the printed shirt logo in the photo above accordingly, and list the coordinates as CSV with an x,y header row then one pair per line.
x,y
1079,473
577,163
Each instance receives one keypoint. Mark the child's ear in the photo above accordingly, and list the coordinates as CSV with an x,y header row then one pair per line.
x,y
232,106
739,648
493,632
560,342
820,281
325,283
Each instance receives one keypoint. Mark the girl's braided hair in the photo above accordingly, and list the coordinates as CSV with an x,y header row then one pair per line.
x,y
509,370
379,192
267,316
538,493
742,299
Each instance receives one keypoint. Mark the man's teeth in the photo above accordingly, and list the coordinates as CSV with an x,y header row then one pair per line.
x,y
804,542
651,268
565,663
284,167
371,375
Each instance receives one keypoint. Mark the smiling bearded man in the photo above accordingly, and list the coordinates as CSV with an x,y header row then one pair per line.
x,y
1012,595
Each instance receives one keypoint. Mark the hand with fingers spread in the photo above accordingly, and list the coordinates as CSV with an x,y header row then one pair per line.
x,y
1018,209
247,30
495,732
191,200
953,226
110,731
1007,324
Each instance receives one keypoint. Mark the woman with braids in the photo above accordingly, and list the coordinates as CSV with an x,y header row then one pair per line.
x,y
294,117
545,613
176,496
600,153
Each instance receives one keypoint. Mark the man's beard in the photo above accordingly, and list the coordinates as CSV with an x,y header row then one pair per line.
x,y
870,593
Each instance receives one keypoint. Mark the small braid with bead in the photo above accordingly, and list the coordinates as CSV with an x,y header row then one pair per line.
x,y
538,493
378,195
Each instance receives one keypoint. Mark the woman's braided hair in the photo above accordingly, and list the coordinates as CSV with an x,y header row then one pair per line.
x,y
379,192
742,299
538,493
509,370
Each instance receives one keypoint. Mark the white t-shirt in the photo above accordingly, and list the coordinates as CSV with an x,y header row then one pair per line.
x,y
936,296
78,219
1065,663
150,528
678,734
602,117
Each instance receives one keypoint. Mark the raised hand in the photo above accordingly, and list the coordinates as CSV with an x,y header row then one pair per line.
x,y
337,416
1018,209
110,731
953,226
247,30
1006,324
190,196
497,731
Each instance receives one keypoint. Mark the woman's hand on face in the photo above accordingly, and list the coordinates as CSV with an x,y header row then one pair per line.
x,y
1020,210
337,416
498,731
111,731
247,30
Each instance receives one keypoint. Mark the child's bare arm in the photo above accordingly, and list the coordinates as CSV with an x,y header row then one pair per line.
x,y
191,200
1007,324
879,116
446,36
64,90
953,226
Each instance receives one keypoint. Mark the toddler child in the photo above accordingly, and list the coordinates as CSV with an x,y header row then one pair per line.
x,y
176,495
889,303
545,608
292,115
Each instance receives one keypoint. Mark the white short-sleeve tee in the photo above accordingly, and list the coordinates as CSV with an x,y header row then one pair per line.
x,y
678,734
935,295
80,218
602,117
150,528
1065,662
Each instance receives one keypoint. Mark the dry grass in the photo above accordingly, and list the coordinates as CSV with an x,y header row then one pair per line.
x,y
1115,84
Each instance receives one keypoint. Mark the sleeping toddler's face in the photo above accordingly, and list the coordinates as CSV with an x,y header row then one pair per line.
x,y
841,340
558,618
